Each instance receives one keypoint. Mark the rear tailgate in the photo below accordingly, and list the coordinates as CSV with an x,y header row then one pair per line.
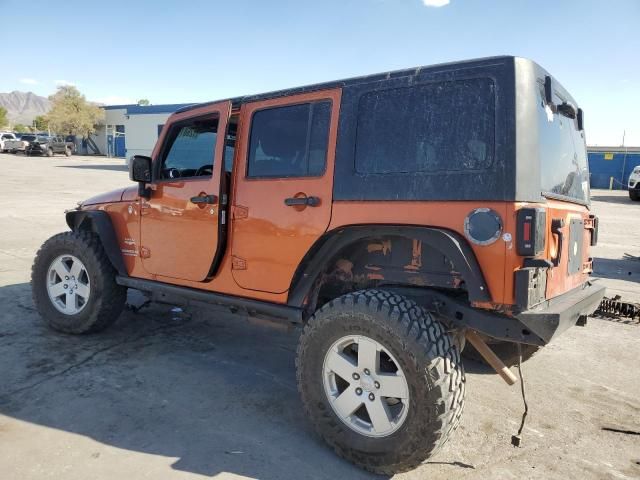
x,y
569,231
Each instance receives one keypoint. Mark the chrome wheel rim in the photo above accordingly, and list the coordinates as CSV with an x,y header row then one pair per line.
x,y
365,386
68,284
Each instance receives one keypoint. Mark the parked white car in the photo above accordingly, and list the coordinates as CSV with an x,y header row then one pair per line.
x,y
634,184
4,137
20,144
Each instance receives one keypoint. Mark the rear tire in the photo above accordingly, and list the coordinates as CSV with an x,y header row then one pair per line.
x,y
59,261
407,337
634,195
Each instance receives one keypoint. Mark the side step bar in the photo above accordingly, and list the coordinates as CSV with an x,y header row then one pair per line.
x,y
167,293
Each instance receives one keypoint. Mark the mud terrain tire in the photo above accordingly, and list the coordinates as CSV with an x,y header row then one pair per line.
x,y
106,298
430,362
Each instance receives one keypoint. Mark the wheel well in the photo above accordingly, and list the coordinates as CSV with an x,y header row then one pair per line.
x,y
98,221
360,257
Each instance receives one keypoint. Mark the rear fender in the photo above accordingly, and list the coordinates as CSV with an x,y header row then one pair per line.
x,y
329,248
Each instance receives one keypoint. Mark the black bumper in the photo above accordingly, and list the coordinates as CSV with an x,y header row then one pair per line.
x,y
34,150
552,317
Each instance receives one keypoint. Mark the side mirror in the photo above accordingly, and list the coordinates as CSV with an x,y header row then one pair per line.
x,y
140,169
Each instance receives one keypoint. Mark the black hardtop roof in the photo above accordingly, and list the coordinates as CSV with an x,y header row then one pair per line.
x,y
440,67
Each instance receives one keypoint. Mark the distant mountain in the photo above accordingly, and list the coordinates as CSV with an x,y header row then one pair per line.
x,y
23,107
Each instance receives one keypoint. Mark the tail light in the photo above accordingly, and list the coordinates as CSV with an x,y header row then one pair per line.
x,y
530,231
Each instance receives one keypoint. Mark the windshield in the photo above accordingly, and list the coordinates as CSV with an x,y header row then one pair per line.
x,y
563,163
28,138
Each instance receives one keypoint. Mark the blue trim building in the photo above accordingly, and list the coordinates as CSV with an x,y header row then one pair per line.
x,y
131,129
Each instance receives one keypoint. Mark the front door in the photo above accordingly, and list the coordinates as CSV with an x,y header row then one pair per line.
x,y
180,223
284,183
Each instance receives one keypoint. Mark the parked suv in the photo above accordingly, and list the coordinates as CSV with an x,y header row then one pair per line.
x,y
634,184
50,145
391,216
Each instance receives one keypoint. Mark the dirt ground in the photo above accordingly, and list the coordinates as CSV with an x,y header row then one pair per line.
x,y
170,395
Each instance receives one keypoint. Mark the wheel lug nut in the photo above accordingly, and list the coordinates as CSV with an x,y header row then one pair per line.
x,y
358,391
366,371
377,384
66,286
356,376
66,277
372,397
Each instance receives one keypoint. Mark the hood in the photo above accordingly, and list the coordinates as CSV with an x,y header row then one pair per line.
x,y
107,197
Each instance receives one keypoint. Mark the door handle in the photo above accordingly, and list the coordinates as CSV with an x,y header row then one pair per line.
x,y
204,199
303,201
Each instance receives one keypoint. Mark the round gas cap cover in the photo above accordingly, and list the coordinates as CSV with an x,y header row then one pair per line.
x,y
483,226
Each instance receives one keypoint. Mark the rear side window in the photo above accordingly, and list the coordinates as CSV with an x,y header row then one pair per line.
x,y
190,149
289,141
440,127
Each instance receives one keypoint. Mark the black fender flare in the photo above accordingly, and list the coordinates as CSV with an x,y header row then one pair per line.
x,y
98,221
447,242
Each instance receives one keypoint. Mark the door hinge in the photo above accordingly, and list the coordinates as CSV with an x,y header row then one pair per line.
x,y
239,212
144,207
238,263
145,252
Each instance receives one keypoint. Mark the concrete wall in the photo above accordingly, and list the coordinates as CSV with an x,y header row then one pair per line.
x,y
142,132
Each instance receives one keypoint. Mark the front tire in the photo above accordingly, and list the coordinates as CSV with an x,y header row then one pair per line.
x,y
634,195
73,284
389,414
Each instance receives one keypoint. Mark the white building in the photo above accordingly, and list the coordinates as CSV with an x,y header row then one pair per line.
x,y
131,129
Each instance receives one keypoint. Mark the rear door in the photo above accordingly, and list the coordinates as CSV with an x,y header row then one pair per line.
x,y
284,183
181,222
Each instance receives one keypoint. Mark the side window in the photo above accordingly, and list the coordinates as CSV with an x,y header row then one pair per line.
x,y
441,127
289,141
190,149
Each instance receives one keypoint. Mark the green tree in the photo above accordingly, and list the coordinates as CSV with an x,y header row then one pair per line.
x,y
144,102
71,113
4,121
20,128
41,123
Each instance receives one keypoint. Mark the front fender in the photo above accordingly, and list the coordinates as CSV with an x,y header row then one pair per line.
x,y
99,222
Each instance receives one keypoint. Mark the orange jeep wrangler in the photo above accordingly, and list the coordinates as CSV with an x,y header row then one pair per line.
x,y
392,216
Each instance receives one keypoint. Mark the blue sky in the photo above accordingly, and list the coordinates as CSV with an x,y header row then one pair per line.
x,y
184,51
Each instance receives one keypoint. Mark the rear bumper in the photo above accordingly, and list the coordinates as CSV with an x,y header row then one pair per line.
x,y
552,317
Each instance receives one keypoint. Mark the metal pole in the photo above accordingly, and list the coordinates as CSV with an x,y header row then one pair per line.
x,y
624,160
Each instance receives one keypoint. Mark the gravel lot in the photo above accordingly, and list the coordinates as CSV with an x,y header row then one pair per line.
x,y
205,394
